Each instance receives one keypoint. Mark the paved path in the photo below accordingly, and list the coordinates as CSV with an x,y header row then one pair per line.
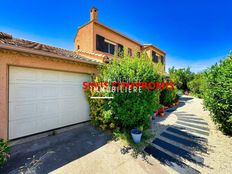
x,y
181,139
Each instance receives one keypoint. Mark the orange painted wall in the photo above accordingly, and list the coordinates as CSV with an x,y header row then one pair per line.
x,y
8,58
84,38
114,37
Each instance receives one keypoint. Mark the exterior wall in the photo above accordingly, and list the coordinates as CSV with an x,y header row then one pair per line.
x,y
84,38
8,58
149,52
150,49
114,37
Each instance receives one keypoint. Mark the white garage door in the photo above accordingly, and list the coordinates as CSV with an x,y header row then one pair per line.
x,y
41,100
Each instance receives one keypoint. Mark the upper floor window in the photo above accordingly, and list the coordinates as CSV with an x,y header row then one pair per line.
x,y
100,43
104,45
110,47
162,59
154,57
129,52
120,50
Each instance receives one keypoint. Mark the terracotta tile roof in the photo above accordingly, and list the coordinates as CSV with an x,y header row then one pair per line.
x,y
6,39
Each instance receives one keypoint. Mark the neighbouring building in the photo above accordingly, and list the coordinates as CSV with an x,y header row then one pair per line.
x,y
97,40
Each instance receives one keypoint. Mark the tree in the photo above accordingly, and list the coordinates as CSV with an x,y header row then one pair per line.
x,y
181,77
197,85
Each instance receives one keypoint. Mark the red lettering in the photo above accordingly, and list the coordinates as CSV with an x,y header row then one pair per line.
x,y
151,87
86,85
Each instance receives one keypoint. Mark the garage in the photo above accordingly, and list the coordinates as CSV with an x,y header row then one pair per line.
x,y
42,100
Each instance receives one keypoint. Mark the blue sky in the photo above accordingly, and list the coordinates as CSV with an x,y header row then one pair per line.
x,y
195,33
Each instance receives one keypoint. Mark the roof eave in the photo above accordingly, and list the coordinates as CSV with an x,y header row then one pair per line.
x,y
42,53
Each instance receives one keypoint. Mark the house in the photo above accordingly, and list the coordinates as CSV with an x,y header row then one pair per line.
x,y
41,85
96,40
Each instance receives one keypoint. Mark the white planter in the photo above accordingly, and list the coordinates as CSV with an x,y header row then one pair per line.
x,y
136,135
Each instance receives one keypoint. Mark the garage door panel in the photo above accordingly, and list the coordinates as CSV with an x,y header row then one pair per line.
x,y
49,76
25,75
68,104
74,79
48,107
22,127
68,118
22,110
47,122
48,91
41,100
22,92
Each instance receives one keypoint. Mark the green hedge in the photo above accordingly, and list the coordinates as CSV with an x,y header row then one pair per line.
x,y
218,95
168,97
198,85
125,110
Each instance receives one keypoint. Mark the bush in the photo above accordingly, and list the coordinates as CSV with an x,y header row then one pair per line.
x,y
100,111
218,95
198,85
168,97
4,152
126,110
181,77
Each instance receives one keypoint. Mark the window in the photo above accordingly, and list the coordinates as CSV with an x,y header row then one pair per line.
x,y
120,50
104,45
129,52
110,48
154,57
100,43
162,59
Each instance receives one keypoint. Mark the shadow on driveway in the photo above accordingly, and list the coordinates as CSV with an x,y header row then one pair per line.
x,y
49,153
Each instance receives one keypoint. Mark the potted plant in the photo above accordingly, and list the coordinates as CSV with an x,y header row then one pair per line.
x,y
161,111
136,135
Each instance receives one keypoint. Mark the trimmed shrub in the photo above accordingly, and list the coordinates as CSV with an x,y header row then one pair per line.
x,y
198,85
126,110
218,95
168,97
4,152
100,111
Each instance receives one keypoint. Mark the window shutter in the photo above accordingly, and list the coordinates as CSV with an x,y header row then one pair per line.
x,y
154,57
100,43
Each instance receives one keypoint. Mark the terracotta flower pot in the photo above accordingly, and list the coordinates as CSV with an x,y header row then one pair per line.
x,y
161,109
156,113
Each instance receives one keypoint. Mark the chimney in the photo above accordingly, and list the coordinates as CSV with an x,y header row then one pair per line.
x,y
93,14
